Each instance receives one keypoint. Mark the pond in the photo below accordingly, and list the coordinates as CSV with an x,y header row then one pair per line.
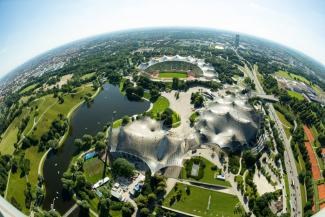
x,y
85,120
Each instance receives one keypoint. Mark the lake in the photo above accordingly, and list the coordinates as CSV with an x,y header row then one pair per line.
x,y
85,120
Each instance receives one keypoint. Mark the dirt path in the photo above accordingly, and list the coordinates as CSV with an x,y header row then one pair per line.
x,y
312,156
309,134
314,164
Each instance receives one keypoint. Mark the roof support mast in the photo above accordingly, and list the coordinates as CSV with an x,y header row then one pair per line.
x,y
109,144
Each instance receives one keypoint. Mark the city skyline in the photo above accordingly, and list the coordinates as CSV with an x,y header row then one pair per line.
x,y
34,27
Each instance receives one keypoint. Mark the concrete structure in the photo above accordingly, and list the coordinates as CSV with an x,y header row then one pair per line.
x,y
8,210
100,182
207,69
228,121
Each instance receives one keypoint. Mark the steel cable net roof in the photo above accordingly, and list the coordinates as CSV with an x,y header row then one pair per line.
x,y
147,140
229,122
207,68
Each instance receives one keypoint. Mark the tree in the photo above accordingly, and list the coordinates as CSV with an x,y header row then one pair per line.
x,y
144,212
87,139
125,120
152,197
28,195
249,158
188,190
84,207
321,139
25,166
122,167
154,95
54,143
79,143
14,165
104,205
134,93
167,117
100,146
100,136
197,99
302,177
61,99
42,213
126,211
175,83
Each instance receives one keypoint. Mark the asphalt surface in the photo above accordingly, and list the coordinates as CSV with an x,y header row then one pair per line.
x,y
289,161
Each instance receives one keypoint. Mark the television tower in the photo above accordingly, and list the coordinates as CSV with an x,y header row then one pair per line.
x,y
109,144
237,41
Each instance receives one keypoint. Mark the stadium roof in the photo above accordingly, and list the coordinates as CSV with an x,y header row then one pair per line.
x,y
207,68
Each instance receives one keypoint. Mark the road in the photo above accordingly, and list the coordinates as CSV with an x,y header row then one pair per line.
x,y
289,161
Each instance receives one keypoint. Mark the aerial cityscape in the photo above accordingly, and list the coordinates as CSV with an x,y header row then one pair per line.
x,y
164,121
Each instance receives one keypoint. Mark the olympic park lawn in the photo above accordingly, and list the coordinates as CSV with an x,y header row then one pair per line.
x,y
173,74
87,76
296,95
94,170
50,109
28,88
197,202
159,106
208,175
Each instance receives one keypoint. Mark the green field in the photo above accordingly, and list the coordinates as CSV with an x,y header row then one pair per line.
x,y
87,76
159,106
285,74
121,86
172,75
93,170
196,202
285,123
28,88
286,182
10,136
16,189
296,95
209,175
117,123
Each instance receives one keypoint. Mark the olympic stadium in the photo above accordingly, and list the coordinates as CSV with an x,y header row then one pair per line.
x,y
193,66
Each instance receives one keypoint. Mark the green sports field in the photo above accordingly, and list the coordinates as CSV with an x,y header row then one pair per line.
x,y
197,202
172,75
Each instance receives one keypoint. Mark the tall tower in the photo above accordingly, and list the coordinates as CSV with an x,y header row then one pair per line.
x,y
237,41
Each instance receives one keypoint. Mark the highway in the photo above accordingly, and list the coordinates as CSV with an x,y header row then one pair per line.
x,y
289,161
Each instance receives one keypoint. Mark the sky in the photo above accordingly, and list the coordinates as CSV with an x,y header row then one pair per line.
x,y
31,27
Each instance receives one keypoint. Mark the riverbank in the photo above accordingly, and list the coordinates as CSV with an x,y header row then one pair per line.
x,y
16,182
64,137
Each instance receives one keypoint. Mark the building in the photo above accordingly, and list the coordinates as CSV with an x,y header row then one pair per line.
x,y
100,182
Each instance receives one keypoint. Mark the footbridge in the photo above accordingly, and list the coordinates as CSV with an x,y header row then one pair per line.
x,y
266,97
